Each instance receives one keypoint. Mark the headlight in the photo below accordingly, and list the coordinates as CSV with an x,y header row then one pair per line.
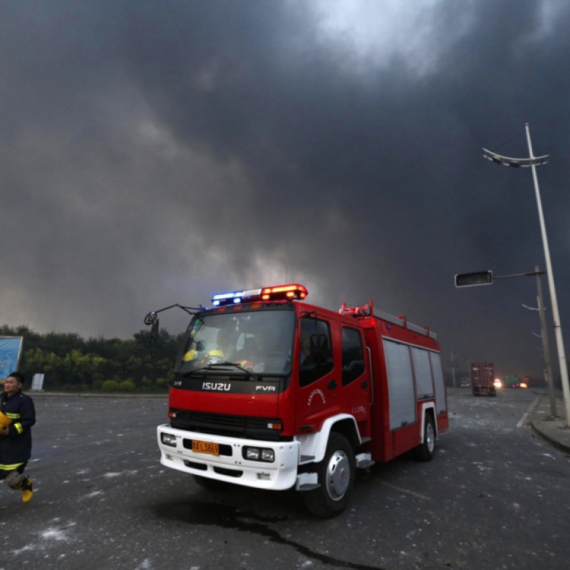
x,y
168,439
259,454
252,453
267,455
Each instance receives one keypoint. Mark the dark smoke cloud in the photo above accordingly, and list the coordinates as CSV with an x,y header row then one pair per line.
x,y
158,152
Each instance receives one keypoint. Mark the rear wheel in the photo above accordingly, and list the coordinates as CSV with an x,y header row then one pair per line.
x,y
336,478
426,450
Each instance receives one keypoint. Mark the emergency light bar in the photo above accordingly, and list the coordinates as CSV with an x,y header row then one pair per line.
x,y
292,291
275,293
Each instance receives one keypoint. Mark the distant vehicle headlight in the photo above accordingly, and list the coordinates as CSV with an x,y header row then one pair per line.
x,y
524,385
497,383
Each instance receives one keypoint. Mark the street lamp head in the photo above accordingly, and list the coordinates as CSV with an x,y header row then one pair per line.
x,y
515,162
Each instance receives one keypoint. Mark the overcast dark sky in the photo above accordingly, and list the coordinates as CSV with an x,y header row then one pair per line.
x,y
160,152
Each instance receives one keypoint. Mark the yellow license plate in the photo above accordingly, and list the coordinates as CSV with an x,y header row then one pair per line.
x,y
205,447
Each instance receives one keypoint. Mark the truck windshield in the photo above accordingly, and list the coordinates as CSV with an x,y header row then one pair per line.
x,y
256,342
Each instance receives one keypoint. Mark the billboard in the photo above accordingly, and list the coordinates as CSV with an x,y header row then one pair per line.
x,y
10,350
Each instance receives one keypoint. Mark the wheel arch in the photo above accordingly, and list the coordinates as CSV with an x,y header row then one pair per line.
x,y
316,444
428,409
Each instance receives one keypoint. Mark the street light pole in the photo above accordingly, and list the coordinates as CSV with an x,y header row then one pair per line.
x,y
551,287
533,161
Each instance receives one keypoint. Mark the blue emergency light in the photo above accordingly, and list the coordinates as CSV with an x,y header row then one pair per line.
x,y
278,292
235,297
225,298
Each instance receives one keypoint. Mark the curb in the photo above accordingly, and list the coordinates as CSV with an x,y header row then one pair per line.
x,y
555,443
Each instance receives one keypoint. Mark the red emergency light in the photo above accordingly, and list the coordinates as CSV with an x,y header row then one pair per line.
x,y
274,293
291,291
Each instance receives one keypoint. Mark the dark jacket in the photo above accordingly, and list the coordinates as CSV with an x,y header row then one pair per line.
x,y
16,447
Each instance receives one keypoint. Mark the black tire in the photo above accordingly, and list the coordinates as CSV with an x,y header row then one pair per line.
x,y
336,477
426,450
209,484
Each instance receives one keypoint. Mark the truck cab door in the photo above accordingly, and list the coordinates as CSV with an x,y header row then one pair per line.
x,y
318,378
355,390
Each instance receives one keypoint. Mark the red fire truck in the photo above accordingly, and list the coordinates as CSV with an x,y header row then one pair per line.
x,y
274,393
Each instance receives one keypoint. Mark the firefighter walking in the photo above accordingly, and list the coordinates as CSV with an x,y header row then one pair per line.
x,y
17,417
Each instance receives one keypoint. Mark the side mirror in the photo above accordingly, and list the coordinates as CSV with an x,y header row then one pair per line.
x,y
150,318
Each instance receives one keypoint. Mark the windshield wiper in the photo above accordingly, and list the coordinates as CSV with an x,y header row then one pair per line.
x,y
214,365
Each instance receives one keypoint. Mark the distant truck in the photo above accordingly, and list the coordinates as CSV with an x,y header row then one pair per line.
x,y
483,379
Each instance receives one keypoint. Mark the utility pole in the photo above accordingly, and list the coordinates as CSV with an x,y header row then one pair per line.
x,y
546,351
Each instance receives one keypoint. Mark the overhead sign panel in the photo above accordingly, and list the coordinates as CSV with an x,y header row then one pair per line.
x,y
474,279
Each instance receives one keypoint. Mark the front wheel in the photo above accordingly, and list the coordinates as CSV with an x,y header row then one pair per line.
x,y
426,450
336,478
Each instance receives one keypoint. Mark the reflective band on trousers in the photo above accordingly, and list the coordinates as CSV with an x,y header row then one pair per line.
x,y
12,467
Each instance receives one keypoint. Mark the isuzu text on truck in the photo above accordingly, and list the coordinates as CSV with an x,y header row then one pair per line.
x,y
274,393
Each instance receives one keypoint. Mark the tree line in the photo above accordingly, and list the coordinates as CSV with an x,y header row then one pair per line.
x,y
72,363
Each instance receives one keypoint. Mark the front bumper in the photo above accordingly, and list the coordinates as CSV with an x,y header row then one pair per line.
x,y
231,467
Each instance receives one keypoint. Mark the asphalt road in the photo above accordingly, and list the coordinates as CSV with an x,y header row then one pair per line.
x,y
494,497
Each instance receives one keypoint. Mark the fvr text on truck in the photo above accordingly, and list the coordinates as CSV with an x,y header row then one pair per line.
x,y
273,393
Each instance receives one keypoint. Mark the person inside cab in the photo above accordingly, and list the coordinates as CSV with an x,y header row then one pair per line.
x,y
225,349
226,341
305,360
266,351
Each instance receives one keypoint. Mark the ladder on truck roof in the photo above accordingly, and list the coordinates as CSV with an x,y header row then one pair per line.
x,y
403,322
369,310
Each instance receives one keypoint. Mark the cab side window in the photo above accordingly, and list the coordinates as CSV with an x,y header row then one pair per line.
x,y
316,358
352,355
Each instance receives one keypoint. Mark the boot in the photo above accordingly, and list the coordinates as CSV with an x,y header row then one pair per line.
x,y
27,490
